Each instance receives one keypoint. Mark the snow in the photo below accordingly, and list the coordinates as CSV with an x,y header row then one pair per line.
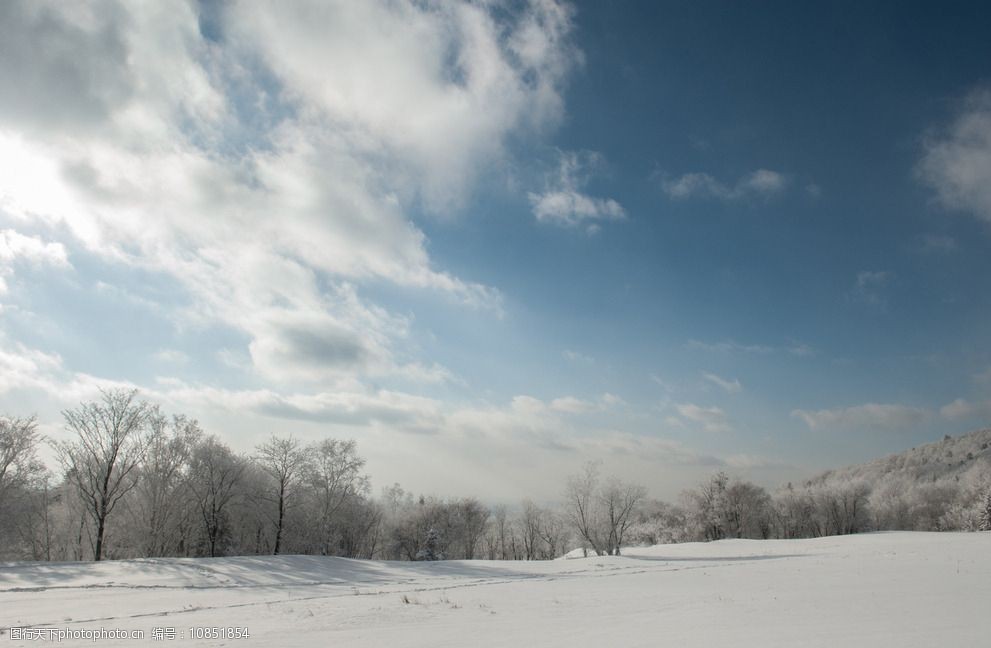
x,y
904,589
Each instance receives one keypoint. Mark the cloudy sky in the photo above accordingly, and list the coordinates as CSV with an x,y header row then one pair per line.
x,y
492,240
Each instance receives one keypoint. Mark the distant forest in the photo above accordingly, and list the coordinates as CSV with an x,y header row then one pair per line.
x,y
134,482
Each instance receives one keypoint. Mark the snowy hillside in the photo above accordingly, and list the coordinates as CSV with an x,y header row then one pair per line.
x,y
951,457
886,589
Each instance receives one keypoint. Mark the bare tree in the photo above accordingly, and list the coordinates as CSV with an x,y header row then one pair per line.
x,y
285,461
102,464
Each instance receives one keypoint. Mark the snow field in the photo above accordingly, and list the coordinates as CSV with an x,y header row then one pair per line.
x,y
886,589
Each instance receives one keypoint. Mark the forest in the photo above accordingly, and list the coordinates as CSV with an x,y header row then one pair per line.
x,y
132,481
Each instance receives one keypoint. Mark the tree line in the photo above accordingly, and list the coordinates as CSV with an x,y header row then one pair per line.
x,y
133,481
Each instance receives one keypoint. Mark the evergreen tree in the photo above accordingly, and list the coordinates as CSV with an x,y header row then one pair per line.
x,y
431,548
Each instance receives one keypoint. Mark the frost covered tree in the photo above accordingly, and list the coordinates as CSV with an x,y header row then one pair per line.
x,y
23,486
582,507
619,500
658,522
160,517
707,505
19,465
470,517
601,514
360,528
844,507
333,477
284,461
498,534
985,523
721,508
747,510
215,475
794,511
102,463
530,523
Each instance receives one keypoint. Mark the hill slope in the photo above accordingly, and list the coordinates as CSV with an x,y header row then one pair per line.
x,y
949,458
938,486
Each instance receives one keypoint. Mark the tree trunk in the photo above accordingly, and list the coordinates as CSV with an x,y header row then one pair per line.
x,y
98,550
278,529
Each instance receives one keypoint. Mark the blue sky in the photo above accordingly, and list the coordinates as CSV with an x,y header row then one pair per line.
x,y
492,241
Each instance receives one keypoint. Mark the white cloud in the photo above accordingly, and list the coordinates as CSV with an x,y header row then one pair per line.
x,y
611,400
266,185
538,442
800,349
732,386
649,448
578,358
874,415
432,374
15,246
271,172
571,405
26,370
21,367
352,405
563,202
966,409
171,356
661,382
957,159
936,244
524,419
983,377
709,419
727,346
438,86
522,427
752,462
870,286
760,183
18,248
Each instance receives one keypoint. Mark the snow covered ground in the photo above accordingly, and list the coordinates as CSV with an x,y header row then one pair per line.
x,y
887,589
